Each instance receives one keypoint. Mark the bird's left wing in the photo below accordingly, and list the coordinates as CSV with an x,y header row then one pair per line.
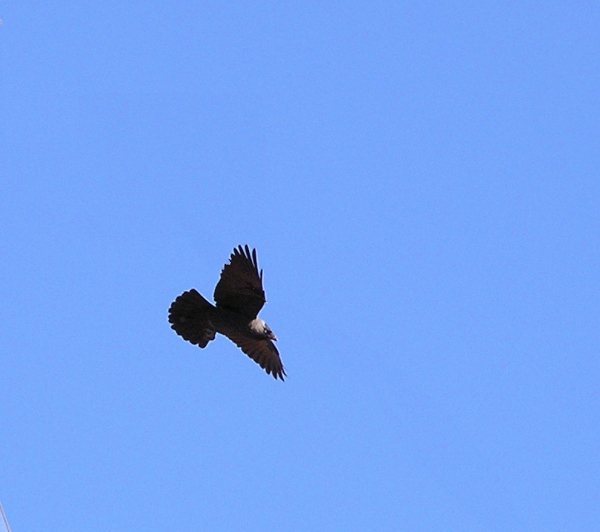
x,y
262,351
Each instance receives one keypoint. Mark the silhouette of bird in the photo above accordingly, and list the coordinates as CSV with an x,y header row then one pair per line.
x,y
239,296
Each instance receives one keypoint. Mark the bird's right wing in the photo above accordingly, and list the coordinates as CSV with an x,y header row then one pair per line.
x,y
240,288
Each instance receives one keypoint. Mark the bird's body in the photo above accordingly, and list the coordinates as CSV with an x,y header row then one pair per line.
x,y
239,296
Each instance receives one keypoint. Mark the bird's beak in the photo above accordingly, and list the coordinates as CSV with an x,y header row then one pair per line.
x,y
274,338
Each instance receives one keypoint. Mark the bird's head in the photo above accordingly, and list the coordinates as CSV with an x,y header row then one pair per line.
x,y
260,328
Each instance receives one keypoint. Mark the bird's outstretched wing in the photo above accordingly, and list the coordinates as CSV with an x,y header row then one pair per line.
x,y
240,288
263,352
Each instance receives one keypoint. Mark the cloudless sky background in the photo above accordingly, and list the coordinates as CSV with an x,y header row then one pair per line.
x,y
421,181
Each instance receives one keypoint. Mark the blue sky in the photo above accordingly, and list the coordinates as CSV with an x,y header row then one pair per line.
x,y
421,181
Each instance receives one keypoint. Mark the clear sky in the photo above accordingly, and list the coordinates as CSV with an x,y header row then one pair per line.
x,y
422,183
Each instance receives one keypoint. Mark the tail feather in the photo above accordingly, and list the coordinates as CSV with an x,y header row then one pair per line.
x,y
189,316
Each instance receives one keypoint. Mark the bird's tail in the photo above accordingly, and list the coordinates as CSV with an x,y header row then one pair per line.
x,y
190,317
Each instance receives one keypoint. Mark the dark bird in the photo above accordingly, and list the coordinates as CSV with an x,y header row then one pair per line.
x,y
239,296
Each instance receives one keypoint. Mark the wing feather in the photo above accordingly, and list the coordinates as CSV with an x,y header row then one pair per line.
x,y
262,351
240,288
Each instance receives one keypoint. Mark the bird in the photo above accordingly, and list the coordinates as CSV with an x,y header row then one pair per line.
x,y
239,296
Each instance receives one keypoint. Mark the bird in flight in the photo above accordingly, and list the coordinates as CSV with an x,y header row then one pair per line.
x,y
239,296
